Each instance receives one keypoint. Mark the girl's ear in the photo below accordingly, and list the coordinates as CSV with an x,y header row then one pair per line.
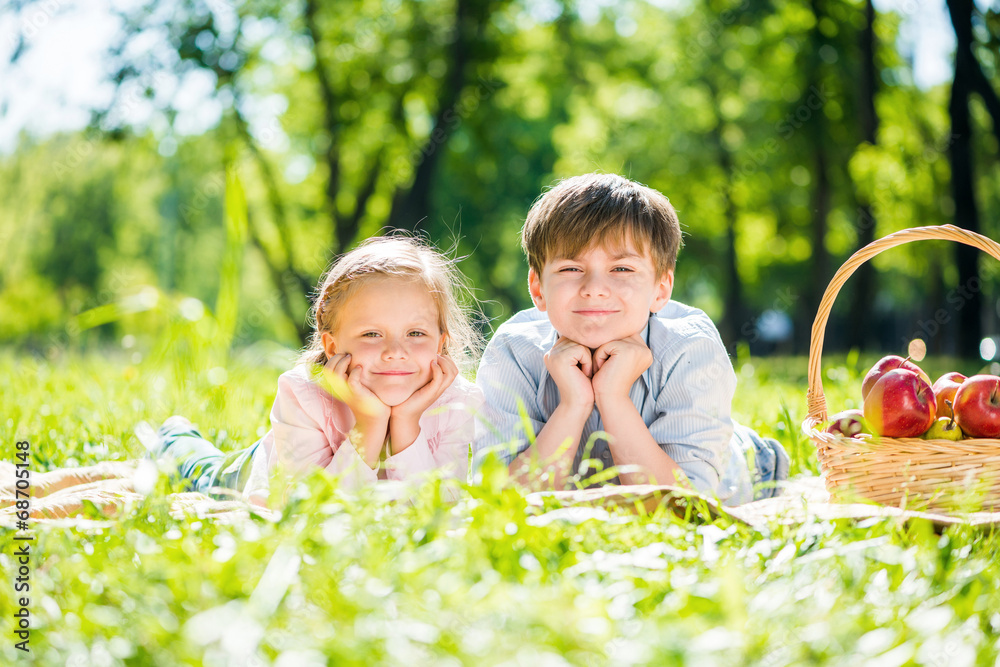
x,y
329,344
443,343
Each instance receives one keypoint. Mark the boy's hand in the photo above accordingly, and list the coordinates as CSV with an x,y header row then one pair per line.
x,y
571,366
618,364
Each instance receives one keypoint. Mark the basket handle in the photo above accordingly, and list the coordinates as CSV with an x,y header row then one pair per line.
x,y
815,400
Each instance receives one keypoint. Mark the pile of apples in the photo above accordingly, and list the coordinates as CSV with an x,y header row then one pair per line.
x,y
900,402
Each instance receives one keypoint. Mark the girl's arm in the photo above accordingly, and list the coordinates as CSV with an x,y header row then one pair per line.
x,y
311,429
446,430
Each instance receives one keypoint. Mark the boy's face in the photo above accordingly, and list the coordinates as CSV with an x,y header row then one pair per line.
x,y
604,294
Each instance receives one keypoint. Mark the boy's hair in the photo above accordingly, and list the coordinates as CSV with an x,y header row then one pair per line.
x,y
395,256
601,208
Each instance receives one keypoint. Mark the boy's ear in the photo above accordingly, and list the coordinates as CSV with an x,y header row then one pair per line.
x,y
664,288
535,289
329,344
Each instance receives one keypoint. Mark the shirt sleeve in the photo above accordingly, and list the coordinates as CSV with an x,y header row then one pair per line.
x,y
303,438
510,407
446,430
352,470
300,440
693,424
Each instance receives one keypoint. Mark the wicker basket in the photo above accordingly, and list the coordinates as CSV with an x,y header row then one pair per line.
x,y
936,474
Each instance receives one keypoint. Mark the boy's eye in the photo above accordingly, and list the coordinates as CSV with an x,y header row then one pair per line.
x,y
567,269
623,269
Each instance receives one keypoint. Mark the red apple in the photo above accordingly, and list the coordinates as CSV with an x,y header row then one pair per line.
x,y
886,364
944,390
847,423
977,406
900,405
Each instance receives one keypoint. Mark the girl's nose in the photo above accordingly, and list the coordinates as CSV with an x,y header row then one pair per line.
x,y
394,349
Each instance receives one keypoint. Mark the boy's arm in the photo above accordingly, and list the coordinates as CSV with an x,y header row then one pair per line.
x,y
571,367
506,387
632,445
692,428
555,450
693,424
509,376
620,364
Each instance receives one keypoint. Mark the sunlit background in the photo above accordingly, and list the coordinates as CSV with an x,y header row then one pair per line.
x,y
786,134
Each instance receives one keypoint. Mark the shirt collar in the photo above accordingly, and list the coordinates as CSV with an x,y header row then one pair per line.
x,y
646,374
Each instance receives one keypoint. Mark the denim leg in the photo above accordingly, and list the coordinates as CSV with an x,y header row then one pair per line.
x,y
200,462
770,461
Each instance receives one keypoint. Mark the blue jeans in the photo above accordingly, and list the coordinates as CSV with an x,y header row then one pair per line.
x,y
770,460
200,462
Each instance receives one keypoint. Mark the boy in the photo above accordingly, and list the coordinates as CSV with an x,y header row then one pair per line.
x,y
605,350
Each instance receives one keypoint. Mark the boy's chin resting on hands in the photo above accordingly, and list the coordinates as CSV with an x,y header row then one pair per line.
x,y
618,364
587,376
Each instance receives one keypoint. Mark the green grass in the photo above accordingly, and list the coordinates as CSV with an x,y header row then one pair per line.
x,y
354,581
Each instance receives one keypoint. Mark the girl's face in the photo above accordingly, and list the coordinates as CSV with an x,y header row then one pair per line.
x,y
390,329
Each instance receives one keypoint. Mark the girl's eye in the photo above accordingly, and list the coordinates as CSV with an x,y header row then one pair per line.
x,y
370,334
417,333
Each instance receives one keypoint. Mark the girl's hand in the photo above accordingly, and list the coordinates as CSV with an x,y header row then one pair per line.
x,y
347,387
370,414
443,373
404,424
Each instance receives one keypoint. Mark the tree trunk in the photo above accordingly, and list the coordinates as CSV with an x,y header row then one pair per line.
x,y
411,206
820,205
293,287
331,124
862,302
821,194
970,326
735,313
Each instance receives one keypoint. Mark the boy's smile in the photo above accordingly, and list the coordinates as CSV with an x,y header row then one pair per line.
x,y
601,295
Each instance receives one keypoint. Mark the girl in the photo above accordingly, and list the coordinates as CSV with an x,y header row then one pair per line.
x,y
376,395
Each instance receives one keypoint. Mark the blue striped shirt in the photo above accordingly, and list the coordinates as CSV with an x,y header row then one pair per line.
x,y
685,397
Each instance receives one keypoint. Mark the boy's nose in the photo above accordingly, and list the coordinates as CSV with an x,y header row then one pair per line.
x,y
594,286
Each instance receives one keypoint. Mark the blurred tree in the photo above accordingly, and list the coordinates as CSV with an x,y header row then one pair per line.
x,y
969,78
860,335
783,132
391,81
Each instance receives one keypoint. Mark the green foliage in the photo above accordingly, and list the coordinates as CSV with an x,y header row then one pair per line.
x,y
484,579
724,105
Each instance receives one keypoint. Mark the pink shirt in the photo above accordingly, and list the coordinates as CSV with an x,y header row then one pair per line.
x,y
309,428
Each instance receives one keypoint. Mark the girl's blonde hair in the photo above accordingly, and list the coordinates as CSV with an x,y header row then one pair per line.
x,y
403,257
